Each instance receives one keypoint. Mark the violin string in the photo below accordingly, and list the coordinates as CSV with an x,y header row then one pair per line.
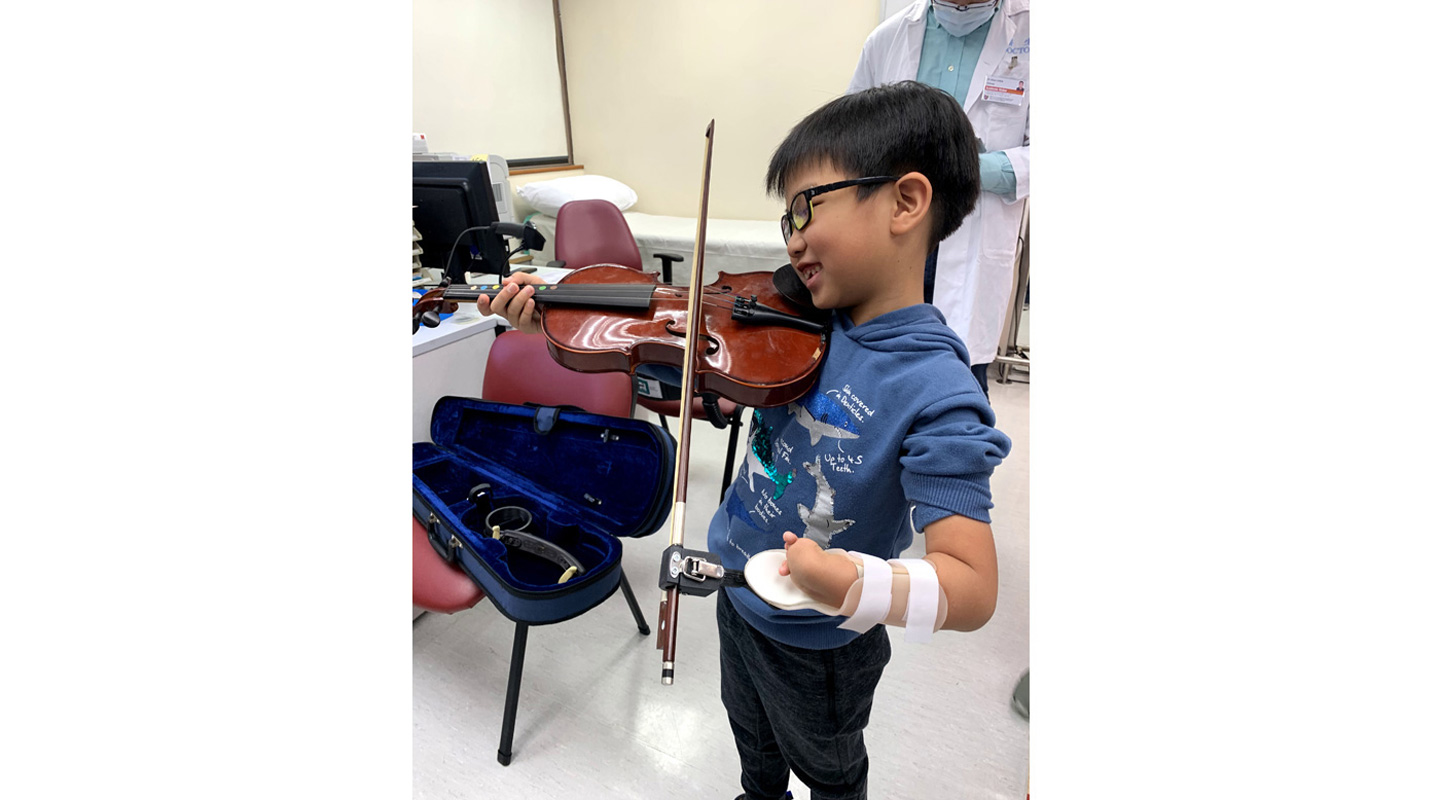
x,y
718,299
577,290
608,293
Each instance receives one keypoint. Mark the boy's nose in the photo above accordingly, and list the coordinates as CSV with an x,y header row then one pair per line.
x,y
796,245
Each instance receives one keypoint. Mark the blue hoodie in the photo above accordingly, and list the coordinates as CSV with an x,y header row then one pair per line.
x,y
895,435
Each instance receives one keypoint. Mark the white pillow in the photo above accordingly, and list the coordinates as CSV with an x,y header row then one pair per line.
x,y
548,196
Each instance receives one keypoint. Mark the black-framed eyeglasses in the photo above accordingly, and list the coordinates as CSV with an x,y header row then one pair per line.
x,y
798,215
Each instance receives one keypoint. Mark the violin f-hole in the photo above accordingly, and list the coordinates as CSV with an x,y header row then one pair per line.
x,y
711,350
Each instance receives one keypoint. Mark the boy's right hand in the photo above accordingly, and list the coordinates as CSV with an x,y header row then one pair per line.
x,y
515,302
825,575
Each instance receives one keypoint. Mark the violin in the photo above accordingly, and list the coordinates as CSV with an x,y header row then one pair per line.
x,y
762,347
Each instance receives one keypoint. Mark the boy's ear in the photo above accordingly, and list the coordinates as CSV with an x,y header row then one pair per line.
x,y
913,194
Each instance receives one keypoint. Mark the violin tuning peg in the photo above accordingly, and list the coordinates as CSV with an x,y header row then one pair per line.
x,y
429,319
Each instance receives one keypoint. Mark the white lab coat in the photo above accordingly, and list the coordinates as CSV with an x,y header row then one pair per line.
x,y
975,265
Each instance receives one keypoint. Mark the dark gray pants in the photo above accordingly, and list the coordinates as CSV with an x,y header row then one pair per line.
x,y
796,709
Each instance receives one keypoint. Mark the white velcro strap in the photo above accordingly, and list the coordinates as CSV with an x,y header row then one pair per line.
x,y
924,602
874,595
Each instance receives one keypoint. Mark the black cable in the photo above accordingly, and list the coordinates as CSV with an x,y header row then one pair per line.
x,y
446,271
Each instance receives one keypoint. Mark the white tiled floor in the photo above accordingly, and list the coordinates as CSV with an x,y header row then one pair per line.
x,y
594,720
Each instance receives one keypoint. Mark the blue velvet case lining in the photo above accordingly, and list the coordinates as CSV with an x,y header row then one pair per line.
x,y
588,480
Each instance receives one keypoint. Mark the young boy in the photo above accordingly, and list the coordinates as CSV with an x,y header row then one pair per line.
x,y
895,438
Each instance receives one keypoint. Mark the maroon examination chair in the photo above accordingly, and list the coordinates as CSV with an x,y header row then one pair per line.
x,y
589,232
518,370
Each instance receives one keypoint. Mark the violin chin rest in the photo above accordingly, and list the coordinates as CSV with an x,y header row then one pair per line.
x,y
790,287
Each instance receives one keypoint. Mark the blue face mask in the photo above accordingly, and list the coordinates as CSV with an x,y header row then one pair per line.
x,y
962,21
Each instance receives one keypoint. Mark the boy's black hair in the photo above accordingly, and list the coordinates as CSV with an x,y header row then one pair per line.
x,y
890,130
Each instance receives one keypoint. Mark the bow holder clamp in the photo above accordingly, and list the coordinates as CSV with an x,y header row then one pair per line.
x,y
695,572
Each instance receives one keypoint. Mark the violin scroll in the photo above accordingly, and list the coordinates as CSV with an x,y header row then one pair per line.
x,y
430,306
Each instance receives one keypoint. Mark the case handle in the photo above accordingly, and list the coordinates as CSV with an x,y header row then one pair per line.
x,y
546,416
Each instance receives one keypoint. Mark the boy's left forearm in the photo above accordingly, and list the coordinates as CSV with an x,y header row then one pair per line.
x,y
962,550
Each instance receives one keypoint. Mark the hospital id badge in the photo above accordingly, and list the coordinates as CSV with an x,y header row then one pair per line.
x,y
1010,91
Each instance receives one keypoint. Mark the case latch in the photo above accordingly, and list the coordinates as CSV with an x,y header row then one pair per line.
x,y
443,548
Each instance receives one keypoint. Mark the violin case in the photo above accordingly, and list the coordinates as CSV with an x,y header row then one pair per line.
x,y
585,479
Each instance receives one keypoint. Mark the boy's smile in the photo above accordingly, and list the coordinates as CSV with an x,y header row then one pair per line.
x,y
808,273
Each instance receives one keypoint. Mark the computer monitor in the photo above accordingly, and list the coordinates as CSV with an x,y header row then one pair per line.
x,y
449,197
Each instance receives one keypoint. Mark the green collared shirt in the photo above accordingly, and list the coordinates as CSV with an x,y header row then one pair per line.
x,y
948,63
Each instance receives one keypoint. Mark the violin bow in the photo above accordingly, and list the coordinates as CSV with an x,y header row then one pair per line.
x,y
670,605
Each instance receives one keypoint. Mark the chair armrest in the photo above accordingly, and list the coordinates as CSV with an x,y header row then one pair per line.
x,y
666,259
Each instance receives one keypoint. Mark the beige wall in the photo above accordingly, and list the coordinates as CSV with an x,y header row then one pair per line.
x,y
486,78
646,76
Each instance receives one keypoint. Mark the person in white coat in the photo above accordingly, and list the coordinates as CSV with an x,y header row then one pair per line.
x,y
979,52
